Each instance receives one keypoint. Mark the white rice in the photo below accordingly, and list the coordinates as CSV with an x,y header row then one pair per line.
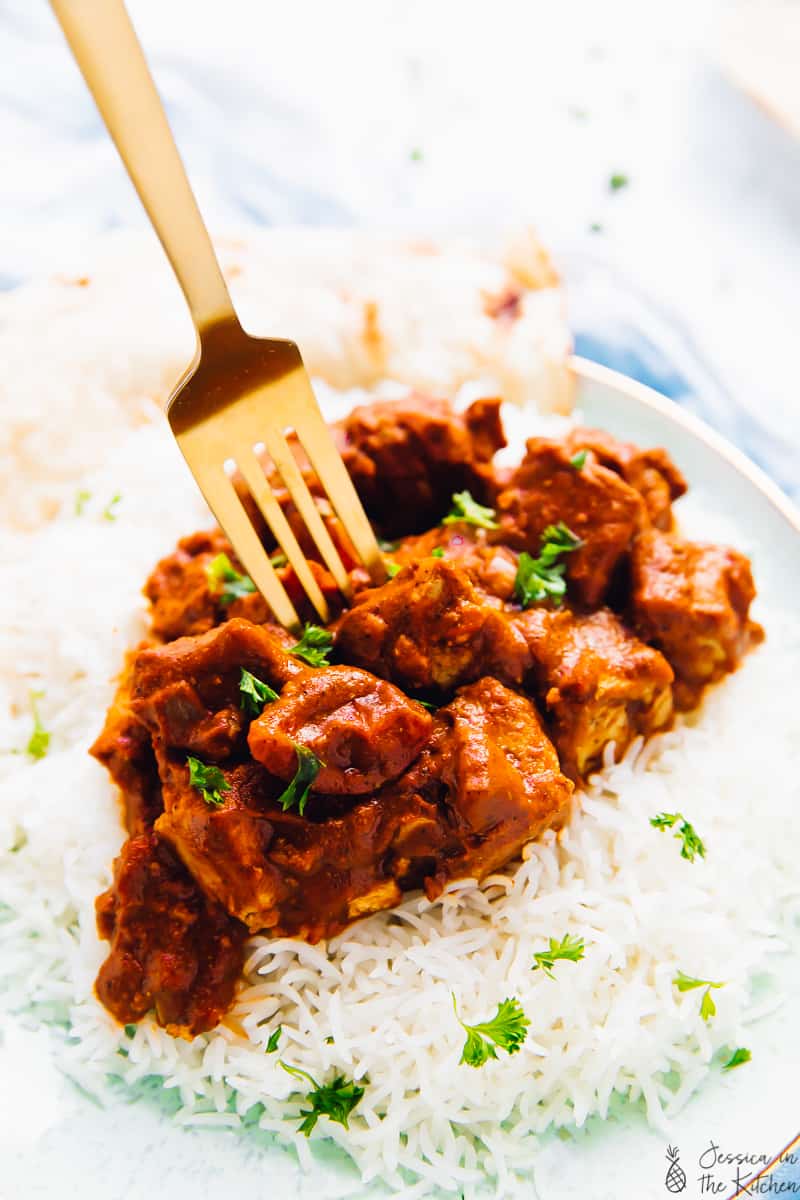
x,y
611,1024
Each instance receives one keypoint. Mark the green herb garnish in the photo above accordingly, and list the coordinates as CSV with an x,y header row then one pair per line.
x,y
82,498
108,511
742,1055
255,694
416,154
470,512
314,646
437,552
39,741
538,578
618,180
209,781
578,460
392,568
226,582
507,1029
569,949
335,1100
278,559
427,704
595,227
691,844
687,983
308,768
274,1038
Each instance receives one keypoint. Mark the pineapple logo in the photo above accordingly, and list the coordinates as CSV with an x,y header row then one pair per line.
x,y
676,1176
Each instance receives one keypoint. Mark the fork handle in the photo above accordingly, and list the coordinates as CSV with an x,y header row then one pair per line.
x,y
107,50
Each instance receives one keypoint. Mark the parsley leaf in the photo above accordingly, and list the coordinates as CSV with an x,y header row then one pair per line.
x,y
209,781
538,578
618,180
437,552
685,833
507,1029
308,768
226,582
274,1038
739,1056
314,646
578,460
82,498
255,694
687,983
470,512
392,568
570,949
108,511
335,1100
39,741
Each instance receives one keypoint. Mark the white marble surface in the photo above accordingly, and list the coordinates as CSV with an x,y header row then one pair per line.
x,y
468,116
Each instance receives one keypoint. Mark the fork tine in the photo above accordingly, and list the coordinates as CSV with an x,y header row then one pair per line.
x,y
229,511
327,462
286,464
264,497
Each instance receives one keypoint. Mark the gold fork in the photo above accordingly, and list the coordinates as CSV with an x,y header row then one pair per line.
x,y
239,392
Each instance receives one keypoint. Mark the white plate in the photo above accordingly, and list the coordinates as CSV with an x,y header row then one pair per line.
x,y
47,1128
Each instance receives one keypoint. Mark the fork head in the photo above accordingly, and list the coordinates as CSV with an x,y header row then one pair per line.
x,y
242,396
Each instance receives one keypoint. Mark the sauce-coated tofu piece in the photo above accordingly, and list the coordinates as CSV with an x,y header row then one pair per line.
x,y
594,503
596,682
652,473
407,457
173,949
692,600
364,730
429,627
187,693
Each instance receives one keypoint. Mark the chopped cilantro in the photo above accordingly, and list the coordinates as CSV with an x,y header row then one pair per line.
x,y
255,694
686,983
82,498
578,460
538,578
274,1038
739,1056
569,949
507,1029
392,568
314,646
470,512
308,768
108,512
209,781
691,844
437,552
618,180
335,1100
226,582
39,741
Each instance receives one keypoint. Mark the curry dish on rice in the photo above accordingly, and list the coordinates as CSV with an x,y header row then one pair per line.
x,y
290,785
